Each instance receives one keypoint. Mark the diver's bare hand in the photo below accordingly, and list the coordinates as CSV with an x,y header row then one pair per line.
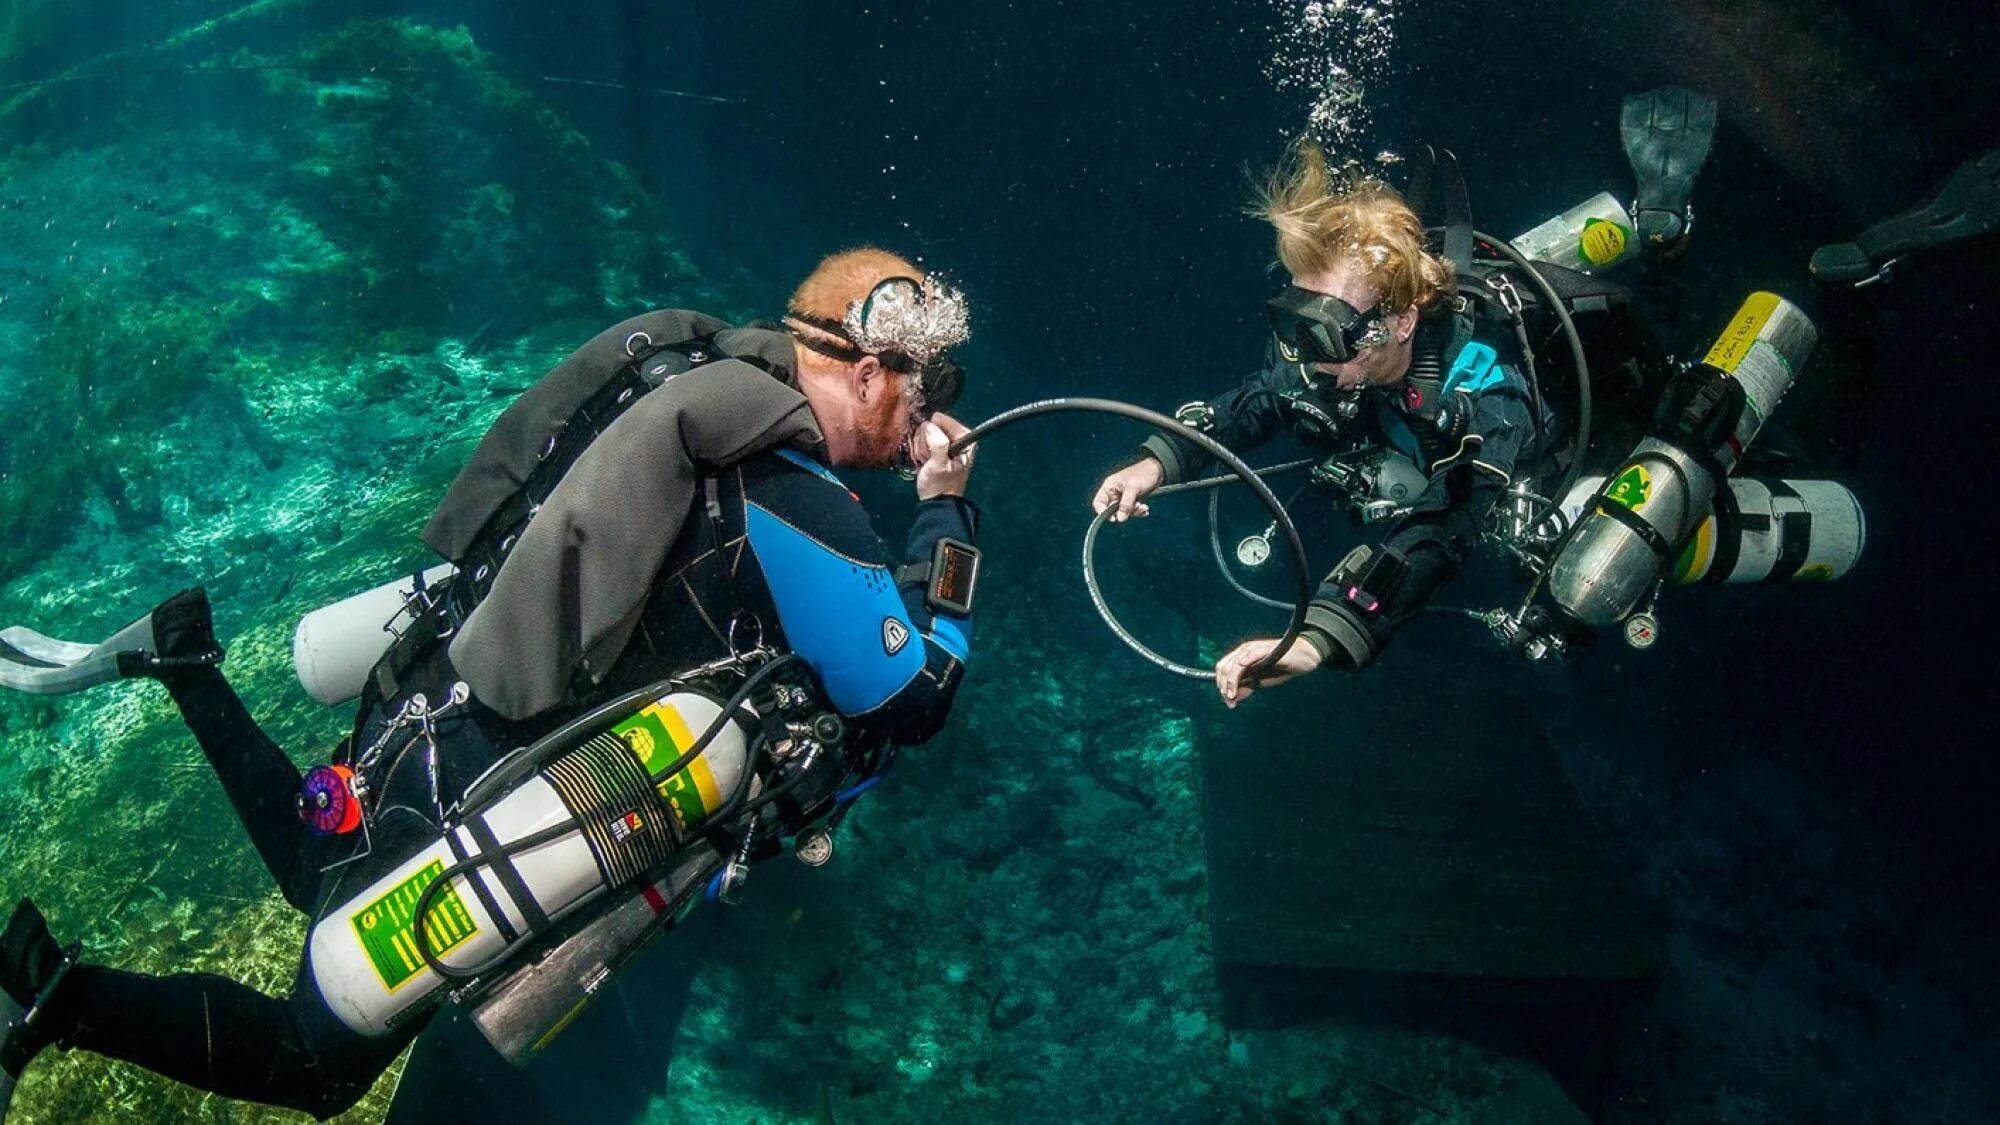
x,y
1126,487
938,472
1232,680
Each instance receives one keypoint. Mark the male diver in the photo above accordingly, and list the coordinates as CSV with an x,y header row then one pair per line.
x,y
1381,343
662,501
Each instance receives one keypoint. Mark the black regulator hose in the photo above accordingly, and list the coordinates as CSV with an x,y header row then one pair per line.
x,y
1574,472
1214,449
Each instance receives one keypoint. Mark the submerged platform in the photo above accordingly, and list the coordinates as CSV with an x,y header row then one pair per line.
x,y
1406,838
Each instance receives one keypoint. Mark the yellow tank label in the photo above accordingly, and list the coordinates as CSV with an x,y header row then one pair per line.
x,y
387,934
1817,572
1631,487
1735,341
1604,242
1698,555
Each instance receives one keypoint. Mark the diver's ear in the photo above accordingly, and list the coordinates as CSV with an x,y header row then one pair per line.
x,y
867,375
1406,324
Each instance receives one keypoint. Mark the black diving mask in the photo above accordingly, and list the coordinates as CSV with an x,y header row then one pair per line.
x,y
1320,328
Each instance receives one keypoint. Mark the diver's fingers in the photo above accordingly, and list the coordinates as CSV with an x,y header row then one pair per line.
x,y
1128,499
1105,496
938,451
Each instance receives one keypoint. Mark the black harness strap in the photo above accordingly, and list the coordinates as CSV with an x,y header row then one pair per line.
x,y
1794,534
496,860
1457,215
480,889
1729,530
1645,531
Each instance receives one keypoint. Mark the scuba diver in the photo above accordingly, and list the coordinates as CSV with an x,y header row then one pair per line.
x,y
1419,371
668,643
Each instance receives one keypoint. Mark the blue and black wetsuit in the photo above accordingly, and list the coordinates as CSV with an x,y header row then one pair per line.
x,y
788,543
1491,440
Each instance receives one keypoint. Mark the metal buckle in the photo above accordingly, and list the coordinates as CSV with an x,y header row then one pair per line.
x,y
1510,298
1196,415
632,352
736,649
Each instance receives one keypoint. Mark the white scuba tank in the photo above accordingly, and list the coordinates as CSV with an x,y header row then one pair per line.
x,y
1592,236
334,646
364,953
1662,491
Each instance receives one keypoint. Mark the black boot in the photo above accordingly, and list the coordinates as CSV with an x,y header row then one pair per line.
x,y
182,636
32,967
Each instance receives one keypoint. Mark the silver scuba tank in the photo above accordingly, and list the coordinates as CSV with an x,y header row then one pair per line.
x,y
1592,236
525,1010
1656,499
624,814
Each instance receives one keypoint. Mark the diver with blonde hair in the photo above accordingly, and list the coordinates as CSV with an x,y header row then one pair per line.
x,y
1366,347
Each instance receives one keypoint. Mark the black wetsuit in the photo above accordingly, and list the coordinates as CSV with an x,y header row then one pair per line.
x,y
797,550
1469,464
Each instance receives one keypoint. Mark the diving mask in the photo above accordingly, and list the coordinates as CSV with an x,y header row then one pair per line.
x,y
911,326
1320,328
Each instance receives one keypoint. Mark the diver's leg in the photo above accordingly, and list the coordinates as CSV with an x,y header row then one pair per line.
x,y
215,1034
259,779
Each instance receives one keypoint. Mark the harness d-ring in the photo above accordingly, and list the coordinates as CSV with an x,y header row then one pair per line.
x,y
729,633
632,352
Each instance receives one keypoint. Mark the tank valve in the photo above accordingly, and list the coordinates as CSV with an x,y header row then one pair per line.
x,y
729,881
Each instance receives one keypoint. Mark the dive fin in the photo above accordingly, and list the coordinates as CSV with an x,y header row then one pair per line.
x,y
32,968
1667,134
1965,206
178,633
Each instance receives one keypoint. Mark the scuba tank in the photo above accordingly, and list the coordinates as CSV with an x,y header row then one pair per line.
x,y
605,808
1593,235
1764,531
336,645
1711,413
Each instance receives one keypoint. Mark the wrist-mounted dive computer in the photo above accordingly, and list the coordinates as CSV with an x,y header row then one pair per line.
x,y
954,575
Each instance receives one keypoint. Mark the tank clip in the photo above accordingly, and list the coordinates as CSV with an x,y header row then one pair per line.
x,y
728,885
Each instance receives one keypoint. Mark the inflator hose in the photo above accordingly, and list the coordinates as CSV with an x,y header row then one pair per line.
x,y
1214,449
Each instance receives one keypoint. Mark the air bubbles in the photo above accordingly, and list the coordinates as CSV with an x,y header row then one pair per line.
x,y
1329,54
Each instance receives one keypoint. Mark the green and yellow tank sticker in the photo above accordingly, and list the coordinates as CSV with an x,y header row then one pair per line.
x,y
1603,241
1743,331
1697,556
658,735
389,937
1631,487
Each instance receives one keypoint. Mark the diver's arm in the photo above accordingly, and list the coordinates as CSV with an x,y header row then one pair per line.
x,y
918,710
1372,593
857,611
1245,417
